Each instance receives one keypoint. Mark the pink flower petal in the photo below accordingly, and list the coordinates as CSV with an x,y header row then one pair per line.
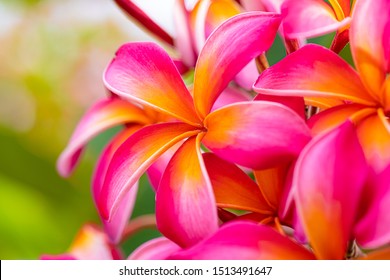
x,y
256,134
328,180
231,95
186,211
230,47
373,229
114,228
144,72
133,158
309,18
245,241
313,71
370,43
104,114
156,249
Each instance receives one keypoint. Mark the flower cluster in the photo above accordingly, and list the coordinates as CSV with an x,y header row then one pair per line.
x,y
248,161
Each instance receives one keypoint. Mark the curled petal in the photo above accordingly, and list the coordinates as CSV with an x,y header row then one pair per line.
x,y
145,73
186,210
370,43
230,47
156,249
310,18
313,71
245,241
328,181
233,188
133,158
103,115
257,134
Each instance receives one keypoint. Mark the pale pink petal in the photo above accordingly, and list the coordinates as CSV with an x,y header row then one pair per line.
x,y
231,95
156,249
186,211
183,40
328,180
257,134
133,158
245,241
145,73
370,43
104,114
230,47
142,18
309,18
373,229
313,71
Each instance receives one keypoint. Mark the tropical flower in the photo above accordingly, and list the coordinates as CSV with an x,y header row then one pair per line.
x,y
254,134
328,184
320,75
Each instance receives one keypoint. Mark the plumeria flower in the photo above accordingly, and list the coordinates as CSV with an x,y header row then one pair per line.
x,y
313,18
91,243
328,185
320,75
254,134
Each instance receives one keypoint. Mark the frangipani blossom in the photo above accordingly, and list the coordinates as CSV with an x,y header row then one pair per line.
x,y
253,134
362,96
328,184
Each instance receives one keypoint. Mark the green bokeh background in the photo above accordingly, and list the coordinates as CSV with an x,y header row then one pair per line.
x,y
50,73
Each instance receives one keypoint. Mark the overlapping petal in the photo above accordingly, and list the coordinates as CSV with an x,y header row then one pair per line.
x,y
373,229
245,241
133,158
114,228
370,43
228,49
329,178
257,134
186,210
313,71
310,18
144,72
104,114
233,188
156,249
295,103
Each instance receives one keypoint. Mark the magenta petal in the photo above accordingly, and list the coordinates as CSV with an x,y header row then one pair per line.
x,y
257,134
133,158
144,72
228,49
328,182
373,229
114,228
186,211
156,249
245,241
309,18
104,114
